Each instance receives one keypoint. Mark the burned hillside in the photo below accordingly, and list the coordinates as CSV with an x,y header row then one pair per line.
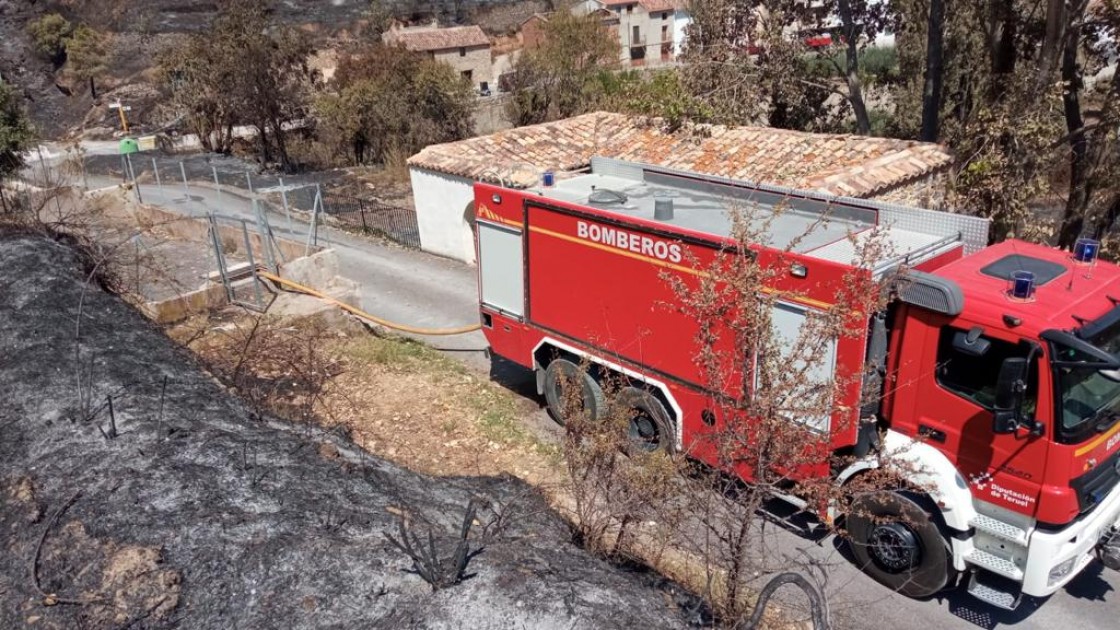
x,y
136,492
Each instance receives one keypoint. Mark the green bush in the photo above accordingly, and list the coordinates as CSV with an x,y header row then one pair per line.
x,y
16,133
879,65
49,34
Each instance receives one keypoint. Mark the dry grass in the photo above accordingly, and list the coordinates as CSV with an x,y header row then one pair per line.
x,y
401,400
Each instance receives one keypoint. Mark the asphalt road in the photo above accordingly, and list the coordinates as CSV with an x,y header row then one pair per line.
x,y
420,289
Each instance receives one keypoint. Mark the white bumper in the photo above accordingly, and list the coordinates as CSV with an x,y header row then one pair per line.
x,y
1074,544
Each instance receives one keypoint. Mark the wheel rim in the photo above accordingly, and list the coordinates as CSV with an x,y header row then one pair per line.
x,y
643,431
894,547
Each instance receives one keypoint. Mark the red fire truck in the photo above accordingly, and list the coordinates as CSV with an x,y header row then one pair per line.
x,y
1003,361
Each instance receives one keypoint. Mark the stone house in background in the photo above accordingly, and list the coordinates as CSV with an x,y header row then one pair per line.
x,y
532,29
896,171
651,32
465,48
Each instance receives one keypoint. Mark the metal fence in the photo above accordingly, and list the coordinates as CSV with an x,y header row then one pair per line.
x,y
395,223
310,195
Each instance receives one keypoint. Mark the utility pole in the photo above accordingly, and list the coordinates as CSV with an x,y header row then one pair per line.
x,y
121,109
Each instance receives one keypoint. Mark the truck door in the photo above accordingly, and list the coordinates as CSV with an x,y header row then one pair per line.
x,y
500,268
953,411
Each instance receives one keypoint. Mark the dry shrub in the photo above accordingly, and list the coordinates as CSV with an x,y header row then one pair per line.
x,y
770,402
283,368
613,488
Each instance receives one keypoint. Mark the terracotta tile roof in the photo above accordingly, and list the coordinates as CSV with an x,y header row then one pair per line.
x,y
424,39
849,165
654,6
536,16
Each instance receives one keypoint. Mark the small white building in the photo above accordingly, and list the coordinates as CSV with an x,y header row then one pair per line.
x,y
443,175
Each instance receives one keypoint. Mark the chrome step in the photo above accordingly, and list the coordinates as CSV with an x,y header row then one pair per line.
x,y
994,593
995,564
1000,529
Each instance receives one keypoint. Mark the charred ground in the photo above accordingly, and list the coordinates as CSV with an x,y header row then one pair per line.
x,y
204,514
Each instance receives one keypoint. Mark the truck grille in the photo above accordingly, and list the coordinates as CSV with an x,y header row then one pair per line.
x,y
1094,486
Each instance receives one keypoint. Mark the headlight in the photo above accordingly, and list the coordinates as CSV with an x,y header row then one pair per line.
x,y
1060,571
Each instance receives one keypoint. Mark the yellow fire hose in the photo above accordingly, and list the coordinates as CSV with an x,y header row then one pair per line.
x,y
364,315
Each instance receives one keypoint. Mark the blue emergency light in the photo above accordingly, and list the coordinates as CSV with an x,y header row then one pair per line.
x,y
1085,250
1022,285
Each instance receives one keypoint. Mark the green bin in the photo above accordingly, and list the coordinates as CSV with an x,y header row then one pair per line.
x,y
129,145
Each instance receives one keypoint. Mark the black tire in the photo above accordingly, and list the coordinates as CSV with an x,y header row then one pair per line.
x,y
898,544
649,427
561,372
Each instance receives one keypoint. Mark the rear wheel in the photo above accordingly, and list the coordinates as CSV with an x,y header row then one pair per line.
x,y
896,542
648,428
570,390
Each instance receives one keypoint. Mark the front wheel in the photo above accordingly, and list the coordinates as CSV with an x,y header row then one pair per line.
x,y
897,543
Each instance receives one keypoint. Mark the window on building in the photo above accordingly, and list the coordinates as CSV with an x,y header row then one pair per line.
x,y
664,33
664,16
629,8
462,52
468,74
974,378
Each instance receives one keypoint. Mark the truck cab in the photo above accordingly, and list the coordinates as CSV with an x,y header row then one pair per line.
x,y
1020,390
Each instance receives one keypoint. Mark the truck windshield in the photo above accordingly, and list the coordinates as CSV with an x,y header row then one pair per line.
x,y
1089,398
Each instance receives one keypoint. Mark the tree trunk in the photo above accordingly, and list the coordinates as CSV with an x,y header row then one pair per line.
x,y
262,142
1052,48
1110,217
1077,201
281,146
935,67
855,89
1002,48
1086,146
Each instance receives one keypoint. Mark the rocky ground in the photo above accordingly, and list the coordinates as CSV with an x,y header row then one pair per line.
x,y
179,506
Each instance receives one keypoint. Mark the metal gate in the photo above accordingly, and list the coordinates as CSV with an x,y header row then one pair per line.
x,y
240,252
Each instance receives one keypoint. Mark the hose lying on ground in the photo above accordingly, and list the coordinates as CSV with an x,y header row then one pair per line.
x,y
364,315
816,601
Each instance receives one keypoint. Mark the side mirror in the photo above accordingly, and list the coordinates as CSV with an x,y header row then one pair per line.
x,y
1010,385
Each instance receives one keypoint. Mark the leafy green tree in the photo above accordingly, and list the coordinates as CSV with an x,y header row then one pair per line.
x,y
189,72
87,55
380,17
659,95
16,135
389,103
563,77
49,33
751,60
1014,104
244,69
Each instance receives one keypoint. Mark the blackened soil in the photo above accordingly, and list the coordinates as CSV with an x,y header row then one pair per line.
x,y
203,514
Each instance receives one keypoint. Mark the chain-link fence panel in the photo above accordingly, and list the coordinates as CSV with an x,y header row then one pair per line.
x,y
293,197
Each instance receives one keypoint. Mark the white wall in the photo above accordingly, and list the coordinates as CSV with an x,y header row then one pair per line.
x,y
440,202
681,20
